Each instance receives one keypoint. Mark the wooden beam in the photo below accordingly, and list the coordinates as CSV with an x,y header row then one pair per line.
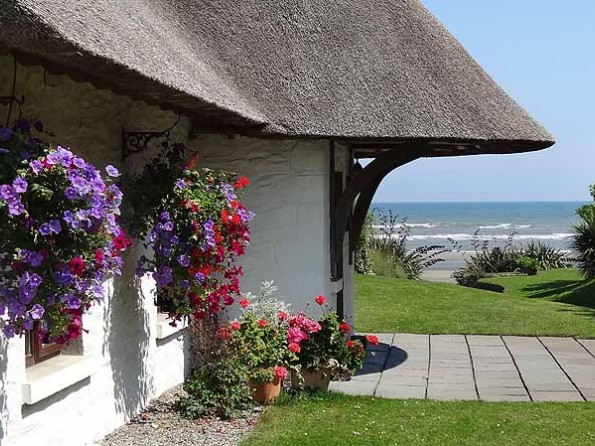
x,y
365,182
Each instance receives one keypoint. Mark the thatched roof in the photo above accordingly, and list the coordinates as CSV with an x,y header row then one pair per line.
x,y
345,69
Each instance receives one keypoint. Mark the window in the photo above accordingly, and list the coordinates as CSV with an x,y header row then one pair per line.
x,y
39,346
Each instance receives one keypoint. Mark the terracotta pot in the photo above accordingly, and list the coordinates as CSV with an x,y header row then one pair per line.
x,y
320,379
266,392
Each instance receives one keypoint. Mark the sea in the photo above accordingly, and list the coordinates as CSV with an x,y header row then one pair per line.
x,y
442,223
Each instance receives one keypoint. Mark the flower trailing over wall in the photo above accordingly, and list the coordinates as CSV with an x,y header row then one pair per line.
x,y
196,228
59,233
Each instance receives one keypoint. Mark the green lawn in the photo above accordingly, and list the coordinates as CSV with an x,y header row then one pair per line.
x,y
351,421
554,303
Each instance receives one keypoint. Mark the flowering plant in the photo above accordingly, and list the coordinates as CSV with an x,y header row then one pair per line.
x,y
196,228
270,342
331,347
59,235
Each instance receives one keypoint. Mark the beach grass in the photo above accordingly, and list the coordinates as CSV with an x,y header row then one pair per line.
x,y
552,303
333,419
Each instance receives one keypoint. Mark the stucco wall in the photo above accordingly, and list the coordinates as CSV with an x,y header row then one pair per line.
x,y
289,192
130,365
290,245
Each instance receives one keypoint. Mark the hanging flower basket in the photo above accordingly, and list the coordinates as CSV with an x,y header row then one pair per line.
x,y
195,227
59,233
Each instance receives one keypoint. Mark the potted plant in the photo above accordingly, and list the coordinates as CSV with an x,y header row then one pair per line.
x,y
265,352
328,352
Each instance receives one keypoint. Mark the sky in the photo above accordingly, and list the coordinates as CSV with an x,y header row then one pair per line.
x,y
542,52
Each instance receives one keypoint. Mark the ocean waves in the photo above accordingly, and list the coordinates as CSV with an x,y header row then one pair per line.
x,y
462,236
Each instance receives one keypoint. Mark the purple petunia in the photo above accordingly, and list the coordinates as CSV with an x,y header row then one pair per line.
x,y
36,312
112,171
184,260
20,185
181,184
36,166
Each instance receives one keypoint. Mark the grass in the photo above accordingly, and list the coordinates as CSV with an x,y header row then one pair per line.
x,y
332,419
553,303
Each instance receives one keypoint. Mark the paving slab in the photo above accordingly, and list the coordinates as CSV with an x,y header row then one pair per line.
x,y
541,374
496,375
575,360
490,368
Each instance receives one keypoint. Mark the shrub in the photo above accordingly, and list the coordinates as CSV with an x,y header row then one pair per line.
x,y
583,241
488,259
528,265
546,256
217,387
390,250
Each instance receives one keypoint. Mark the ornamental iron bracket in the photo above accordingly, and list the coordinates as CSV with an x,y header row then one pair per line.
x,y
8,100
137,142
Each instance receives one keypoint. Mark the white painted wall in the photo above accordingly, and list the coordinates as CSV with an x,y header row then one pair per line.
x,y
290,244
289,192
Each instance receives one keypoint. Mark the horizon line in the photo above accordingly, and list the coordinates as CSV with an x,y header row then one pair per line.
x,y
487,201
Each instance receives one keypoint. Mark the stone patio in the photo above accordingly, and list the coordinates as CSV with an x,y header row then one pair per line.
x,y
490,368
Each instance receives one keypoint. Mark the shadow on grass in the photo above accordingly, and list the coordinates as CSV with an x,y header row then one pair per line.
x,y
572,292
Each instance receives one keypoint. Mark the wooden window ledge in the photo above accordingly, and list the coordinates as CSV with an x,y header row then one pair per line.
x,y
55,374
164,330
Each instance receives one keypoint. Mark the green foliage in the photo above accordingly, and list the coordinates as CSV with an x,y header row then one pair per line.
x,y
583,241
528,265
546,256
263,346
363,262
394,255
217,387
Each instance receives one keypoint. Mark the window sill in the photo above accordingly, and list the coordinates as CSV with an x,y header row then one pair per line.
x,y
164,330
54,375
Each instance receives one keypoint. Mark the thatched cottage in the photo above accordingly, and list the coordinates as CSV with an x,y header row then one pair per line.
x,y
287,93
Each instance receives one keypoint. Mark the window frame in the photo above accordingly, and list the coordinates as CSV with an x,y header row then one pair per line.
x,y
37,351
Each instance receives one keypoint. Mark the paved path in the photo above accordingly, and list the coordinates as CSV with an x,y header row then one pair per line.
x,y
490,368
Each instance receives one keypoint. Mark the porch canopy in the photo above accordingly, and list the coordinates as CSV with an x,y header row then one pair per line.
x,y
348,70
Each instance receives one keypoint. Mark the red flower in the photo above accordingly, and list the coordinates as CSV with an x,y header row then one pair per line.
x,y
262,323
99,256
320,300
244,303
224,333
280,372
121,242
283,315
345,327
350,344
372,339
294,347
241,183
235,325
77,266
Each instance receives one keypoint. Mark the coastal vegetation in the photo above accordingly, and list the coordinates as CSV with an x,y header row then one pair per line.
x,y
555,302
489,259
330,419
583,241
386,253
